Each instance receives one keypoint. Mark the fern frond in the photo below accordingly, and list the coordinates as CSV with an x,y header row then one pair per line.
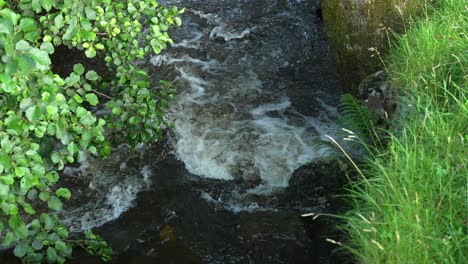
x,y
357,118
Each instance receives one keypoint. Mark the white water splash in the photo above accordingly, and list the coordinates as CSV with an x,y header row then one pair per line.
x,y
221,32
229,123
112,189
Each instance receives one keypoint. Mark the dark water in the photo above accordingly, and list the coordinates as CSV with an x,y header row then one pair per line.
x,y
256,89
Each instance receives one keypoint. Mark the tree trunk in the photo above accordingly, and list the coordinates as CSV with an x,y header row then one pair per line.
x,y
359,32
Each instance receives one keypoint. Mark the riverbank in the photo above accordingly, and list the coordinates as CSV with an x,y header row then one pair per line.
x,y
412,208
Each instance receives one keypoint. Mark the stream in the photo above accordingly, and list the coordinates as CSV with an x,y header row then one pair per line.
x,y
257,89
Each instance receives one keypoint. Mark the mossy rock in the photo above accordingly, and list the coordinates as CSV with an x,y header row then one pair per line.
x,y
358,29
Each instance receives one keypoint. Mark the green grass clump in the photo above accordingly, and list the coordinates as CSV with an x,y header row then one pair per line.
x,y
413,206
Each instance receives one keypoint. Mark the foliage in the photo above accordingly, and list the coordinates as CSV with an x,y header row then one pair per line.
x,y
359,125
47,121
412,206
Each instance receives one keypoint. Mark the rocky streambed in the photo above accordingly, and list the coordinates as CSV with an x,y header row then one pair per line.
x,y
257,91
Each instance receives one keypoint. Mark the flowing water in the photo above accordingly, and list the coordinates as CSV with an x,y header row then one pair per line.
x,y
256,89
235,62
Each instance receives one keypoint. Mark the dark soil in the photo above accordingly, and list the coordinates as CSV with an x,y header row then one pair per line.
x,y
65,58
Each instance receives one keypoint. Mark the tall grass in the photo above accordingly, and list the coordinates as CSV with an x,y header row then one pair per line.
x,y
413,206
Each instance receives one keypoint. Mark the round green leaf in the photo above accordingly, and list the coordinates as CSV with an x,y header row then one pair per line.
x,y
64,193
51,255
60,246
32,194
78,68
8,239
92,76
47,4
47,47
54,203
34,114
90,53
40,56
20,250
37,244
92,99
22,45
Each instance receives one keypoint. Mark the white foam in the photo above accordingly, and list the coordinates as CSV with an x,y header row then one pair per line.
x,y
209,66
222,32
261,110
233,206
193,43
211,18
112,189
229,121
197,84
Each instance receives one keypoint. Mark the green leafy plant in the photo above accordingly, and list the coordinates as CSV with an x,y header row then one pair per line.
x,y
359,124
411,206
48,120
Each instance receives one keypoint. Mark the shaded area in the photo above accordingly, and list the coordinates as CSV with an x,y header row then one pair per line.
x,y
174,223
65,58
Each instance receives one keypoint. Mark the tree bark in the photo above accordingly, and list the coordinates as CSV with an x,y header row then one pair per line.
x,y
359,32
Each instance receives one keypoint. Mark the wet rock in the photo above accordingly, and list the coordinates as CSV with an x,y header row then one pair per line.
x,y
316,183
284,230
377,93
